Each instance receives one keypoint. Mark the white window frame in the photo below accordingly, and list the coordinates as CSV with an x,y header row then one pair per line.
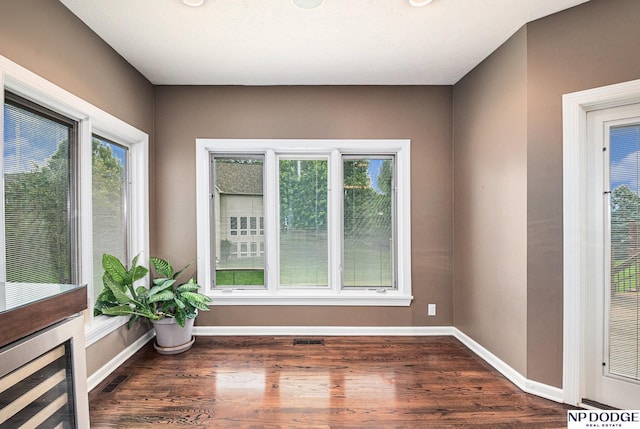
x,y
334,149
91,120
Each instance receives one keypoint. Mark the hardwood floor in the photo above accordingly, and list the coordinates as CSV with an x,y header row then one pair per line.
x,y
267,382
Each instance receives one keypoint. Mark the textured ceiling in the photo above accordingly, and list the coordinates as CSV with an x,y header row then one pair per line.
x,y
342,42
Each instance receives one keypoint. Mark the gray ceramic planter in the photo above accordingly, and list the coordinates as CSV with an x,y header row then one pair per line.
x,y
171,338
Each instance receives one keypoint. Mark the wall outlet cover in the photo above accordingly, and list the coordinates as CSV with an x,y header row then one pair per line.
x,y
431,310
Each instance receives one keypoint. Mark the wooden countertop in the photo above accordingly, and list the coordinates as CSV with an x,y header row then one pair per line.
x,y
44,306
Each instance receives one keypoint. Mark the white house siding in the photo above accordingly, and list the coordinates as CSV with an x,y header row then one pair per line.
x,y
239,207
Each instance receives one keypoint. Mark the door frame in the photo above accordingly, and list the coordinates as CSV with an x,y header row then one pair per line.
x,y
574,150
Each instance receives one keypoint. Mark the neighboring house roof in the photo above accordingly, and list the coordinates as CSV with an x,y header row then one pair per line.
x,y
239,179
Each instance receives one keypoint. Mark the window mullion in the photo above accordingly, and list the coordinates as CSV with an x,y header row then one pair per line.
x,y
138,199
403,220
85,241
335,221
271,221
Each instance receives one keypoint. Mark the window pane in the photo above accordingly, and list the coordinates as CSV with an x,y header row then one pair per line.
x,y
368,251
243,226
233,225
38,196
303,223
109,204
252,224
623,328
238,184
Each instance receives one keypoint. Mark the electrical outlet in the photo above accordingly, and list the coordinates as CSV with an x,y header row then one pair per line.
x,y
431,310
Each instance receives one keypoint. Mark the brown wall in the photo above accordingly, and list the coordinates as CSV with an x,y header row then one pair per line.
x,y
47,39
588,46
490,209
422,114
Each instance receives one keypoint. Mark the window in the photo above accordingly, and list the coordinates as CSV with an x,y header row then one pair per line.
x,y
237,194
76,186
303,203
368,222
333,217
39,194
243,225
110,165
233,225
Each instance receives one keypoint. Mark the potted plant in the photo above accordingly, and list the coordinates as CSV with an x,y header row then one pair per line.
x,y
169,305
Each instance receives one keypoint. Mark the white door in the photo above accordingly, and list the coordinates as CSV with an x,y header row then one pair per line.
x,y
612,317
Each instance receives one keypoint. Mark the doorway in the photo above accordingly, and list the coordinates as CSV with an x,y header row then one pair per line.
x,y
578,177
611,321
582,169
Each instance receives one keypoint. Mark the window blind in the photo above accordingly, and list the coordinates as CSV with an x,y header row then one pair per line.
x,y
624,302
38,195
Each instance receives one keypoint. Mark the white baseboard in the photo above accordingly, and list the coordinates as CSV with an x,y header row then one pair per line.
x,y
337,331
544,391
514,376
96,378
528,386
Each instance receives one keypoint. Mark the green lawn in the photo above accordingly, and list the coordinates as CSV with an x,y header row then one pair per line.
x,y
304,262
240,278
625,279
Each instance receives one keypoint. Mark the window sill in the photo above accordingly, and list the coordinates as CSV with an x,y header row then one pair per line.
x,y
370,298
101,326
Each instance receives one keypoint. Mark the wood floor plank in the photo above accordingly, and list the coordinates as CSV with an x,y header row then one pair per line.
x,y
349,382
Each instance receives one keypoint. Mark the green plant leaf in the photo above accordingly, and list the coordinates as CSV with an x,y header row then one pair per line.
x,y
134,261
163,267
195,297
101,305
109,283
142,291
188,287
106,295
138,272
164,295
114,267
121,310
200,306
196,300
179,303
166,283
120,295
181,317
